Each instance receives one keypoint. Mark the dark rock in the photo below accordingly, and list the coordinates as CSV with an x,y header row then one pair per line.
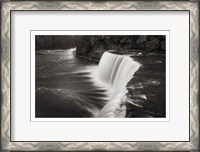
x,y
162,46
95,45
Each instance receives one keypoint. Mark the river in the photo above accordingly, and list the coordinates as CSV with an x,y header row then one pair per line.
x,y
67,86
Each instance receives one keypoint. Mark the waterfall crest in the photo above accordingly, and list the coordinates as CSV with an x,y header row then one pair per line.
x,y
115,71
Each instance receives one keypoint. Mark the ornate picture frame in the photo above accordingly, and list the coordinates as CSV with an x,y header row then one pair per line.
x,y
6,41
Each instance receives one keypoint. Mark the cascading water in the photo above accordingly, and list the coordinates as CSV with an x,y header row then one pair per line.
x,y
115,71
67,86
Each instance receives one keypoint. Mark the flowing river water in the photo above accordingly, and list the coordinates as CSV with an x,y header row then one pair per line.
x,y
68,86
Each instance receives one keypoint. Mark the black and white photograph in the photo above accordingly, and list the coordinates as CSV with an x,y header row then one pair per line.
x,y
108,76
100,76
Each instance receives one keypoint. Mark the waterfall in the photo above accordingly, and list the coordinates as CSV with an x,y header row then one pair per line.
x,y
115,71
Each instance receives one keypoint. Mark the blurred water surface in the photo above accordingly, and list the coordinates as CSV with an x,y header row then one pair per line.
x,y
65,88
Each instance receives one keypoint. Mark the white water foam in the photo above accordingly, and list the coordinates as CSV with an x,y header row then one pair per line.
x,y
115,71
112,74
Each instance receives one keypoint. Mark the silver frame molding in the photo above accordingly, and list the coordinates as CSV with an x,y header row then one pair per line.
x,y
192,6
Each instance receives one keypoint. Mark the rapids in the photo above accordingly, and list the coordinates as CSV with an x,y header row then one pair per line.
x,y
115,71
70,86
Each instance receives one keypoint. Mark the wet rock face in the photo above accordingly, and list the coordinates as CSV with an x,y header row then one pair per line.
x,y
83,45
103,43
152,43
94,46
